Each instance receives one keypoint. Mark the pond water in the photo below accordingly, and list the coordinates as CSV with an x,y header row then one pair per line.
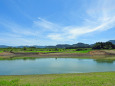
x,y
54,66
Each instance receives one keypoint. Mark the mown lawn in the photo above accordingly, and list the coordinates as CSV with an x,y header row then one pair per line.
x,y
78,79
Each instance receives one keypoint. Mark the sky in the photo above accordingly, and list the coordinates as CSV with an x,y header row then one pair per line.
x,y
51,22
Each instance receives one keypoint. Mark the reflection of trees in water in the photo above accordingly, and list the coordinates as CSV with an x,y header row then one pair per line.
x,y
104,60
29,58
19,58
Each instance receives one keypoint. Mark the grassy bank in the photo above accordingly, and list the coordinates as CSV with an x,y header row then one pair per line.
x,y
80,79
46,50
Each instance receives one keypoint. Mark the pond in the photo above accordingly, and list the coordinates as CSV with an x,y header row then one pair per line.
x,y
54,66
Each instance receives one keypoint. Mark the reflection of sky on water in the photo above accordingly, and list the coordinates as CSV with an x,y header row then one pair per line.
x,y
52,66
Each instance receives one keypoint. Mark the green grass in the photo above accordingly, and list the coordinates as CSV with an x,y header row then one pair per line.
x,y
46,50
82,51
42,51
78,79
66,51
1,51
14,82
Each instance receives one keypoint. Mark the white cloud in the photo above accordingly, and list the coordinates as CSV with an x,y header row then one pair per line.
x,y
17,29
99,17
55,36
45,25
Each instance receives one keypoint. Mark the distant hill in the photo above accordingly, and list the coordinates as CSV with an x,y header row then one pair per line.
x,y
63,45
50,47
81,45
77,45
112,41
31,46
4,46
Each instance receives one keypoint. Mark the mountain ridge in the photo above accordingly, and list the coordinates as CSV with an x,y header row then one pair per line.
x,y
77,45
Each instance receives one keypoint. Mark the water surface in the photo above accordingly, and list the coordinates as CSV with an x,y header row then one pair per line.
x,y
53,66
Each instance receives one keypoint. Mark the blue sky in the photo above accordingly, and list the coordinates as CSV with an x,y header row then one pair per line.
x,y
51,22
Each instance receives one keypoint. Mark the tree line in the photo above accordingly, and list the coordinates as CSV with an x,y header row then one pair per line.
x,y
103,45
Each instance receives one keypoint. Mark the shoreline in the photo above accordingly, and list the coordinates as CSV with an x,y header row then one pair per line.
x,y
59,73
91,54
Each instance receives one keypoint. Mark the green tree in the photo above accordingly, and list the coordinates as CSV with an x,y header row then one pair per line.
x,y
24,48
103,45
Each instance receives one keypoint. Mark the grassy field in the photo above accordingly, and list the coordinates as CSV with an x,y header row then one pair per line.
x,y
68,51
52,50
78,79
1,51
82,51
46,50
43,51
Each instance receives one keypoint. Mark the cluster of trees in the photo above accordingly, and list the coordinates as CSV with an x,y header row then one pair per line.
x,y
103,45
